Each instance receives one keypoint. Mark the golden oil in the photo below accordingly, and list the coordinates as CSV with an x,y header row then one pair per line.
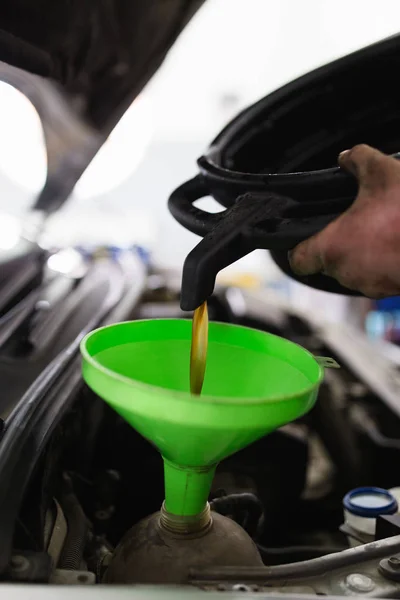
x,y
198,352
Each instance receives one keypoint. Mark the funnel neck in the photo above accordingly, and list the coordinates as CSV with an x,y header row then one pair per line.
x,y
187,488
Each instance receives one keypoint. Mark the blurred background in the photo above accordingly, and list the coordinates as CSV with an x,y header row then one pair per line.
x,y
218,66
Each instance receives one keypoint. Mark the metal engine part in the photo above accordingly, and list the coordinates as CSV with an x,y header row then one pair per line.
x,y
367,569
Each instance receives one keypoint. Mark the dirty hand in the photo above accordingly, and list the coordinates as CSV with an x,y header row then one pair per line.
x,y
361,248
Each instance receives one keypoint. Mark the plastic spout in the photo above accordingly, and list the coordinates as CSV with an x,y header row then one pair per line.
x,y
187,489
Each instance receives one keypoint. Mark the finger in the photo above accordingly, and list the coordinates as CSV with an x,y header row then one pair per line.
x,y
306,258
373,169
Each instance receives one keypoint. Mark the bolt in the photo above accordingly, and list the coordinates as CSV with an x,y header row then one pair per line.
x,y
19,563
241,587
359,583
394,562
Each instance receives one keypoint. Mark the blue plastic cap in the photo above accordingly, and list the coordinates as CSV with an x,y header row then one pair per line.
x,y
370,502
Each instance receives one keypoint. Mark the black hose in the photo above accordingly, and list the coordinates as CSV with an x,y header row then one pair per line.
x,y
245,508
292,554
72,554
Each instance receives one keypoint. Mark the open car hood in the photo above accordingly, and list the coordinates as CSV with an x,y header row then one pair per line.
x,y
102,52
81,64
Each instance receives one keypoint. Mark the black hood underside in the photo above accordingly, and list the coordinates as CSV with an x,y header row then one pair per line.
x,y
102,52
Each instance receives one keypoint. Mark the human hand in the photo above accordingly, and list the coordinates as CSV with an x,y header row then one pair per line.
x,y
361,248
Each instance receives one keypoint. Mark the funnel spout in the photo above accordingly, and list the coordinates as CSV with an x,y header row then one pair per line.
x,y
187,488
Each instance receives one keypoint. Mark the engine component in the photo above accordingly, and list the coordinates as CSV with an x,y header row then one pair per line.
x,y
362,506
58,534
67,577
72,554
32,567
151,553
351,572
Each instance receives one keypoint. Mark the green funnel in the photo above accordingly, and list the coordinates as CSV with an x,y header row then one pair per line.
x,y
254,383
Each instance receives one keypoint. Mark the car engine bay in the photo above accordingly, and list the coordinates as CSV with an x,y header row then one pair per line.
x,y
81,477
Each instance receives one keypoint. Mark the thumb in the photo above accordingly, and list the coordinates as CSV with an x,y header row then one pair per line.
x,y
305,259
373,169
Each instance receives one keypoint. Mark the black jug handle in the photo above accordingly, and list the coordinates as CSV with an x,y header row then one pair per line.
x,y
181,207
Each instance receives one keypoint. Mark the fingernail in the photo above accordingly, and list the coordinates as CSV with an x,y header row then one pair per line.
x,y
343,153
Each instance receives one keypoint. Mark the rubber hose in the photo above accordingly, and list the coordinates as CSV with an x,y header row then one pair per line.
x,y
292,554
244,502
72,554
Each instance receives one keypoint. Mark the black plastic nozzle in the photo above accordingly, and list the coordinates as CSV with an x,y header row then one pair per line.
x,y
227,242
256,220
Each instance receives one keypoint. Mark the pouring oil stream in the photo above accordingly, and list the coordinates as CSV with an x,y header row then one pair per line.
x,y
198,352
